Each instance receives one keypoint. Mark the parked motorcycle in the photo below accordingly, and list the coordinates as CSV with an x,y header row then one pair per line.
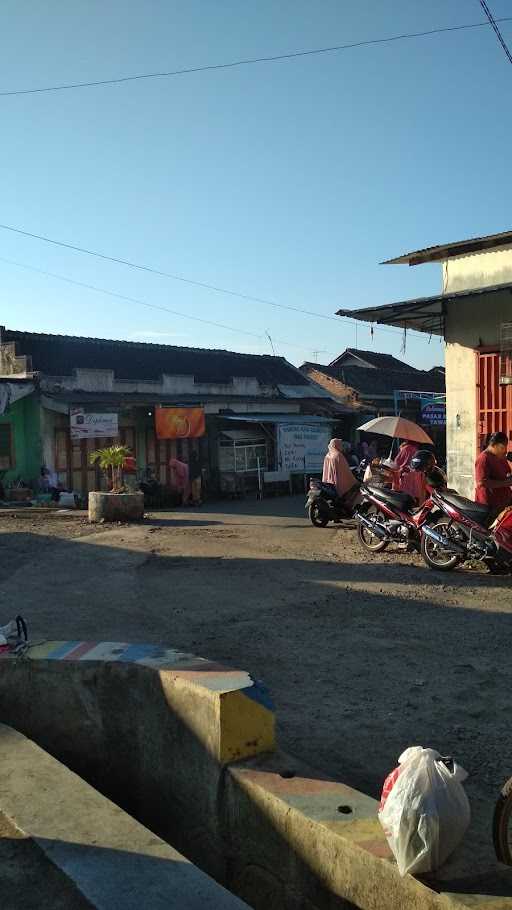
x,y
386,516
462,531
324,505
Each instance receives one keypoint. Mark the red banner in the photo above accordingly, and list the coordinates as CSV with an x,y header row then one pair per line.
x,y
179,423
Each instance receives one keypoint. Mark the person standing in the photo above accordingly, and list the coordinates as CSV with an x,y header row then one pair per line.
x,y
405,453
196,477
492,474
180,479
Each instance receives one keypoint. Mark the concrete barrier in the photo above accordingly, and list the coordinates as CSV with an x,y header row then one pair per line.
x,y
150,727
188,747
76,849
116,506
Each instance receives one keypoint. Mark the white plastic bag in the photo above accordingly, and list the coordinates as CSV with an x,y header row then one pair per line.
x,y
424,810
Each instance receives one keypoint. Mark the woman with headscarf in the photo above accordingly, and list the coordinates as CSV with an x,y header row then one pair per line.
x,y
336,469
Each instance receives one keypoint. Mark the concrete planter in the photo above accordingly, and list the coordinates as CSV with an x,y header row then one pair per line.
x,y
116,506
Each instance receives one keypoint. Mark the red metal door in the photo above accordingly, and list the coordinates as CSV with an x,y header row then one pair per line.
x,y
494,401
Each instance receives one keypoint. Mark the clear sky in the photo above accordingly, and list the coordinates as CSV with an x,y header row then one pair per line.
x,y
289,181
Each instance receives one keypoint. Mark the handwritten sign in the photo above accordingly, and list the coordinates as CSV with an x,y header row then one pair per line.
x,y
302,447
91,426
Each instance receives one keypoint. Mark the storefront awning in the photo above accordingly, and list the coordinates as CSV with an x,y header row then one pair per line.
x,y
279,418
423,314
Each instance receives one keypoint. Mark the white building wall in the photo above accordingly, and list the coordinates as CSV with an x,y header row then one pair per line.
x,y
478,270
470,324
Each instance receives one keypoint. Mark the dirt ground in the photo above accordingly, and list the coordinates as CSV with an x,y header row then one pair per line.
x,y
364,655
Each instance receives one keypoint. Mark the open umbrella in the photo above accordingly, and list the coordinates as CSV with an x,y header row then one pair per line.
x,y
397,428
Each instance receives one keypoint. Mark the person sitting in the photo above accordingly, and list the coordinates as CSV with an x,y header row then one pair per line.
x,y
49,483
422,476
405,452
336,470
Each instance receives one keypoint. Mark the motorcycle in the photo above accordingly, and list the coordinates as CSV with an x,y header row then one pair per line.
x,y
466,530
324,505
386,516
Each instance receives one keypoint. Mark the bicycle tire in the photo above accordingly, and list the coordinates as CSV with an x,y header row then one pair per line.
x,y
500,824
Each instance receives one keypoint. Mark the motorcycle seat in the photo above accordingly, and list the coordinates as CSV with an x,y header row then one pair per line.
x,y
475,511
401,501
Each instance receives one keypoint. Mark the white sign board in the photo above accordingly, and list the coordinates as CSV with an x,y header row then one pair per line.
x,y
302,447
90,426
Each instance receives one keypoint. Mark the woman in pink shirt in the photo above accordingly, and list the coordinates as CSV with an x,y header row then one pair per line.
x,y
406,451
180,479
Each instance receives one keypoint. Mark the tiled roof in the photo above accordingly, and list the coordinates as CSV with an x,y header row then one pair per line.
x,y
367,381
60,355
381,361
363,380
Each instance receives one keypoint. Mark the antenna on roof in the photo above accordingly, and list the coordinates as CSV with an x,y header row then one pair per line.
x,y
315,355
267,333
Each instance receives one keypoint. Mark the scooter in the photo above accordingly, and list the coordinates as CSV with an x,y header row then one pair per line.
x,y
385,516
465,530
324,505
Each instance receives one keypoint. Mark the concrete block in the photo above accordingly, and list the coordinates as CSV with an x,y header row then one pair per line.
x,y
107,857
148,726
116,506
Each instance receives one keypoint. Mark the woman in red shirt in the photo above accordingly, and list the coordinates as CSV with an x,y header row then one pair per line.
x,y
492,474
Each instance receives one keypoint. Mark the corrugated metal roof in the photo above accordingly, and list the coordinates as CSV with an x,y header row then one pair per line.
x,y
61,355
457,248
423,314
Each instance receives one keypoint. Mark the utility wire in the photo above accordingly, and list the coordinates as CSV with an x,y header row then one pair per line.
x,y
199,284
154,306
251,60
493,22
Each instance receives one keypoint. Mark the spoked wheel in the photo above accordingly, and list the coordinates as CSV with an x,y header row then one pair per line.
x,y
435,556
369,540
318,515
502,825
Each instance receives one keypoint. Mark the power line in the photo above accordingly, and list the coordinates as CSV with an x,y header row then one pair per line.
x,y
173,277
493,22
251,60
154,306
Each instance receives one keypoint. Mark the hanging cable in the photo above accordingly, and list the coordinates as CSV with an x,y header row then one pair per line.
x,y
248,61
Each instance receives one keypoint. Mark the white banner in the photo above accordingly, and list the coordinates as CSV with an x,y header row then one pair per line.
x,y
302,447
89,426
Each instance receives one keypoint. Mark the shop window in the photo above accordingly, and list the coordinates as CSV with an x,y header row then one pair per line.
x,y
241,455
6,448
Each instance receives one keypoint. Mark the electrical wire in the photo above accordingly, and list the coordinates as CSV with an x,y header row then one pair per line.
x,y
173,277
154,306
493,22
250,60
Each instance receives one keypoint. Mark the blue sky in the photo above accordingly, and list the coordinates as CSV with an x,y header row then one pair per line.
x,y
289,181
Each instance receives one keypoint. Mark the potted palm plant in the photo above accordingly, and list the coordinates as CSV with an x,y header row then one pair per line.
x,y
117,504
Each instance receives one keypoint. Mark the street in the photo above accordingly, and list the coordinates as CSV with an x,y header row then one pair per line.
x,y
363,655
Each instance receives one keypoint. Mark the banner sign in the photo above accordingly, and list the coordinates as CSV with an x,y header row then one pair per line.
x,y
302,447
433,413
91,426
179,423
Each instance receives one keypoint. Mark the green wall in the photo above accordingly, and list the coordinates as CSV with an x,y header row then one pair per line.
x,y
23,416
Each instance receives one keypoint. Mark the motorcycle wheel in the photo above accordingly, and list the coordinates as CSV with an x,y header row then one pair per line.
x,y
434,555
368,540
502,826
318,515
